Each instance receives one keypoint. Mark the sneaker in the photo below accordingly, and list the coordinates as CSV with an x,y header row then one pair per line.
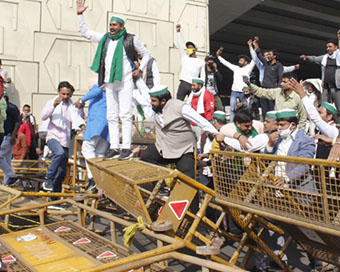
x,y
47,185
56,207
90,185
12,181
112,154
125,154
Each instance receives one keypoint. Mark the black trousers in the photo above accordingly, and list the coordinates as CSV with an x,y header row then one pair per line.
x,y
266,105
184,89
185,164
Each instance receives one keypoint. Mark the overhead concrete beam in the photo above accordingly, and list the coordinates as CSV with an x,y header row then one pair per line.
x,y
222,12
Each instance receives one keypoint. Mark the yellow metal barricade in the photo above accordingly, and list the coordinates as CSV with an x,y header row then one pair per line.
x,y
69,246
306,202
134,185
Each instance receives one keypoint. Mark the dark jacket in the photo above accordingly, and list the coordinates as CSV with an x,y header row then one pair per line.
x,y
272,76
129,49
218,79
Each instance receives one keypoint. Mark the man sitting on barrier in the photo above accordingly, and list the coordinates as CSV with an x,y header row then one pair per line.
x,y
175,141
290,141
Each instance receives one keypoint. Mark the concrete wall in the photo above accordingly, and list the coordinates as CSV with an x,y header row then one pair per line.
x,y
40,43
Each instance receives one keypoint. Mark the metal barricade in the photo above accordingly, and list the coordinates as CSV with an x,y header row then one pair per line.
x,y
134,185
306,204
69,246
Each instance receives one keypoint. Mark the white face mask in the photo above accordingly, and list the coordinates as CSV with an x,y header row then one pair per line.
x,y
284,133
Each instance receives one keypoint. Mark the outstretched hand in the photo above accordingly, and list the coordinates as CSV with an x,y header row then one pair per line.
x,y
178,28
81,7
303,57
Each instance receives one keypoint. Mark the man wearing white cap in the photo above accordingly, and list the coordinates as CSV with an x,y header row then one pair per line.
x,y
323,118
114,62
175,140
202,101
290,141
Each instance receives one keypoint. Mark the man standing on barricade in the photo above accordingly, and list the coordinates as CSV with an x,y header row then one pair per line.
x,y
114,62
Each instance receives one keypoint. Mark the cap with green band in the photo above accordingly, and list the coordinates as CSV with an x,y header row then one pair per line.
x,y
117,19
286,113
219,115
198,80
158,90
330,107
271,115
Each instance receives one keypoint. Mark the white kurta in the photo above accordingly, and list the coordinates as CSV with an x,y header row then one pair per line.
x,y
119,93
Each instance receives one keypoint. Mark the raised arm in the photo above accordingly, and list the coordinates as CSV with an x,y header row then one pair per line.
x,y
253,55
85,32
155,73
180,43
141,49
258,50
226,63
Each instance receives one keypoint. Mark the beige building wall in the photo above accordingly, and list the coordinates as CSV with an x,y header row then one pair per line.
x,y
40,42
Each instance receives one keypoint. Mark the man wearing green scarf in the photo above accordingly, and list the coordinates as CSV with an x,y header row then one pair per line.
x,y
243,128
115,62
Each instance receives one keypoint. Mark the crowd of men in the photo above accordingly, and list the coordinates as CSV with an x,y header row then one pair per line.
x,y
282,116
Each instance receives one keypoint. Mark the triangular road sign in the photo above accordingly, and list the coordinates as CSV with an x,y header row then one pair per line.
x,y
178,207
62,229
83,240
8,259
106,254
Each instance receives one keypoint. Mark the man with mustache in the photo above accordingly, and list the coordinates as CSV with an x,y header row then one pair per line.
x,y
114,62
330,63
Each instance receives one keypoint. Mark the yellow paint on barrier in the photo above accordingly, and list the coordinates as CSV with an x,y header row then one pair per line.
x,y
44,253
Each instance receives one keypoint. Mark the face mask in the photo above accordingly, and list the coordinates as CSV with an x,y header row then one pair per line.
x,y
157,109
247,95
284,133
190,51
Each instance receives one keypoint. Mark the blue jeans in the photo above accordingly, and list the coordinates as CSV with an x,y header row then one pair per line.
x,y
57,170
233,102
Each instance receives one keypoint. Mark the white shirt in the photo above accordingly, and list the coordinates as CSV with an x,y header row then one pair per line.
x,y
191,67
97,36
282,150
325,128
191,115
239,72
258,143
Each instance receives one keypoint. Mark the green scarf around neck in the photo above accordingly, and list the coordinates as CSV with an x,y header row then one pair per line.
x,y
252,133
116,72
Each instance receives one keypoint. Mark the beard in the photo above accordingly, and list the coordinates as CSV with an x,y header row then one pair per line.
x,y
157,109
